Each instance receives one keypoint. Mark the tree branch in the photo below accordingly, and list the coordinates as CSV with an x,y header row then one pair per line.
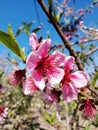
x,y
59,31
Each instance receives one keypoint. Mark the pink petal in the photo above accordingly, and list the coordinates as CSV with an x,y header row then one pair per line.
x,y
38,79
29,87
32,60
79,79
34,41
69,92
44,48
55,75
57,58
69,63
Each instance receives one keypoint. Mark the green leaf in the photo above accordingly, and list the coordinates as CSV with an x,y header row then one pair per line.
x,y
36,29
11,32
8,39
95,79
53,116
58,17
19,31
26,27
48,117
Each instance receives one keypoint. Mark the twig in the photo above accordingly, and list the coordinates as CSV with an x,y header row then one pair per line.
x,y
85,41
59,31
91,52
90,40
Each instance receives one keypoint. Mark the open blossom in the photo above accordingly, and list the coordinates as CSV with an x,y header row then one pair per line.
x,y
16,77
29,87
42,65
3,113
88,108
72,81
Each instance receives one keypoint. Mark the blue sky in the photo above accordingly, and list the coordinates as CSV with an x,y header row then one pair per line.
x,y
17,11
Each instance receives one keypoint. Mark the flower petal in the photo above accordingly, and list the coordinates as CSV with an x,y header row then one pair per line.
x,y
29,87
32,60
57,58
34,41
44,48
69,63
79,79
69,92
55,75
38,79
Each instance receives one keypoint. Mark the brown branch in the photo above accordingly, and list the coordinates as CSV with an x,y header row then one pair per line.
x,y
59,31
91,52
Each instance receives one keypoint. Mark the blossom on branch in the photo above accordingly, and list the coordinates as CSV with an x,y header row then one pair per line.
x,y
72,81
88,108
16,77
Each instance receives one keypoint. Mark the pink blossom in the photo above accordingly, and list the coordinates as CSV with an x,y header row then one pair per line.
x,y
81,12
16,77
29,87
44,65
88,108
34,41
72,81
3,113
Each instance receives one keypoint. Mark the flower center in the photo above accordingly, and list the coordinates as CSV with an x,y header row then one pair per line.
x,y
66,78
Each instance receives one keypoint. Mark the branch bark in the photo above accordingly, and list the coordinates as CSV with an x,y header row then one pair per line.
x,y
59,31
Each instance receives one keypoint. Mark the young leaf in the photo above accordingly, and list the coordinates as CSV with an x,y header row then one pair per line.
x,y
48,117
10,42
37,29
11,32
95,79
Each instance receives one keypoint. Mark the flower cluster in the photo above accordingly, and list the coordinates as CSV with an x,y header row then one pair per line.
x,y
44,70
52,74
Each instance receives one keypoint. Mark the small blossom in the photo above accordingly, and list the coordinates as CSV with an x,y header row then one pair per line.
x,y
67,35
81,12
88,108
81,23
16,77
3,113
82,39
72,81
